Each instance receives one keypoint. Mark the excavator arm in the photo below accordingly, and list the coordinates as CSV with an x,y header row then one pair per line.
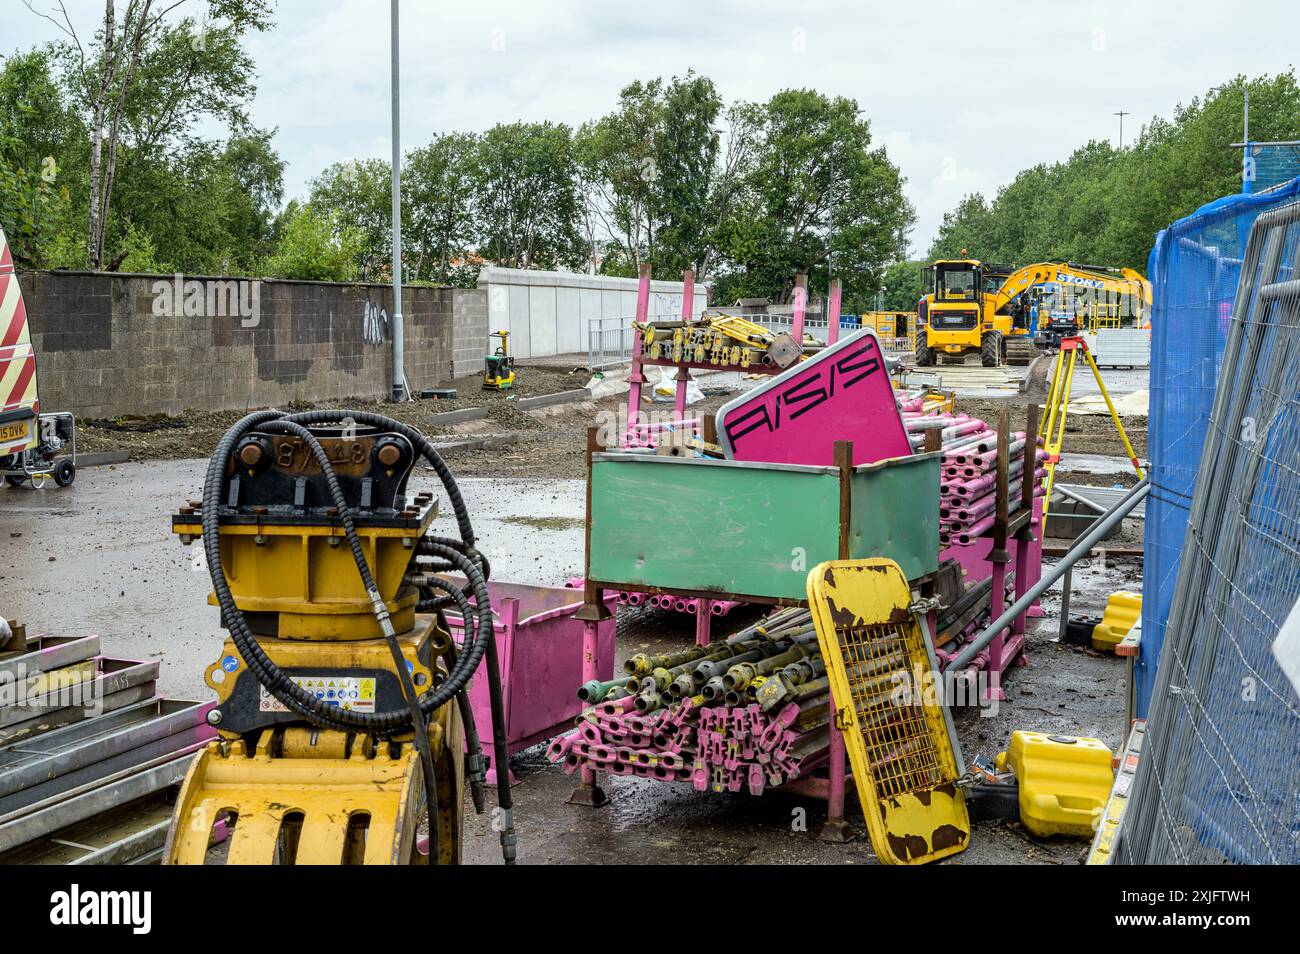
x,y
1124,281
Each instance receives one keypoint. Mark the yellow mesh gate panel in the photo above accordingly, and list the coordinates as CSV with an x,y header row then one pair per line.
x,y
894,729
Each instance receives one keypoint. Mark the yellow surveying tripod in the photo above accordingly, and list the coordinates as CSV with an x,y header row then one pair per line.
x,y
1058,405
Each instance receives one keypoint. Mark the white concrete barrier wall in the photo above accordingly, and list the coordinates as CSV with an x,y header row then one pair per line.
x,y
547,313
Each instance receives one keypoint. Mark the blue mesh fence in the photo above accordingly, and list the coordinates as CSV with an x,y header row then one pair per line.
x,y
1218,780
1193,270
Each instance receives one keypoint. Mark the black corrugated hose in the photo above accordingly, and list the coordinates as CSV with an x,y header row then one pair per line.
x,y
479,636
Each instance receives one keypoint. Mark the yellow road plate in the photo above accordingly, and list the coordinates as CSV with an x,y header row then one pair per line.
x,y
13,432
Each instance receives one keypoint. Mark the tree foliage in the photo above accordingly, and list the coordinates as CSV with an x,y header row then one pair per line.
x,y
527,197
143,82
652,179
438,213
816,198
315,246
1104,205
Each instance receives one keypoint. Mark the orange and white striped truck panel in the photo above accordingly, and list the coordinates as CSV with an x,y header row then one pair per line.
x,y
18,402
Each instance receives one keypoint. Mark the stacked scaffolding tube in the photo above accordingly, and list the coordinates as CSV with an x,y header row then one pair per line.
x,y
664,601
968,474
748,713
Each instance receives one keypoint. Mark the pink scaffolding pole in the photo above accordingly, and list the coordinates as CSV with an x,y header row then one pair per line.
x,y
833,314
800,304
683,372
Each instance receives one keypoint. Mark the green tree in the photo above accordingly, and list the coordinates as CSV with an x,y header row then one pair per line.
x,y
527,196
814,155
686,166
205,206
1104,206
37,168
617,161
315,246
904,285
144,81
657,181
438,215
966,231
360,193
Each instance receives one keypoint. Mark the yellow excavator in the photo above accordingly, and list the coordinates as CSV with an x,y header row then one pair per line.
x,y
1066,298
993,310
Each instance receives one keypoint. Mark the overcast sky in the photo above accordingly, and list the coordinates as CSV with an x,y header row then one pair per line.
x,y
963,95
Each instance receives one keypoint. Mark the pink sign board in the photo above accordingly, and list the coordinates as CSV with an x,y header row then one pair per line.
x,y
842,394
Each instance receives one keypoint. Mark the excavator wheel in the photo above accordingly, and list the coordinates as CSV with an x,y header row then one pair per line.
x,y
991,349
924,353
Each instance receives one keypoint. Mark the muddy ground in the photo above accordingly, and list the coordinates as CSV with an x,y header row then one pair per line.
x,y
545,442
195,432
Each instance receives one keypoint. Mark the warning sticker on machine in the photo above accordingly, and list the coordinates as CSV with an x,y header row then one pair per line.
x,y
355,693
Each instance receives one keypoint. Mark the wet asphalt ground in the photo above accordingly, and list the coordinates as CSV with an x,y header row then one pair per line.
x,y
99,557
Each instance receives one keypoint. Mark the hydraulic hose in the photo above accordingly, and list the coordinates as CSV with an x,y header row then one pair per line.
x,y
459,553
475,769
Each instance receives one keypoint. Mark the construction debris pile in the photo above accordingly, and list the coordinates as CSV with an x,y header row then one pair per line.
x,y
725,341
747,713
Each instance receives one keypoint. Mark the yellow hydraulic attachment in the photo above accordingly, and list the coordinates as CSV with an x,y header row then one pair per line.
x,y
1058,406
903,749
317,760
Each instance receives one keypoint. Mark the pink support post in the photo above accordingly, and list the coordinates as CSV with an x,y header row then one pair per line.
x,y
800,305
833,314
703,622
635,377
997,646
836,828
1035,548
589,792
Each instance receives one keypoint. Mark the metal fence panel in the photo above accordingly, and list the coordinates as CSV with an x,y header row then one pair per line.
x,y
1193,269
609,342
1219,776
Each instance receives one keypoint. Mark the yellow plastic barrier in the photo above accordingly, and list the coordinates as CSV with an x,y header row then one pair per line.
x,y
1064,781
1122,611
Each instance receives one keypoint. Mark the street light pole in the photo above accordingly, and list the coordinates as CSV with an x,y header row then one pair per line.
x,y
399,330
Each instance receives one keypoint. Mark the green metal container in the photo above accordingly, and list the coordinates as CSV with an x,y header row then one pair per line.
x,y
749,530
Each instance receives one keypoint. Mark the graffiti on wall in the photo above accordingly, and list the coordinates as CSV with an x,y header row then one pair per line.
x,y
374,324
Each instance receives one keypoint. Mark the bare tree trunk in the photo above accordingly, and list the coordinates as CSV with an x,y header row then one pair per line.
x,y
94,237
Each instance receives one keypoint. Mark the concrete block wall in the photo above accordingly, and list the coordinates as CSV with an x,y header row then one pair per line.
x,y
110,344
470,331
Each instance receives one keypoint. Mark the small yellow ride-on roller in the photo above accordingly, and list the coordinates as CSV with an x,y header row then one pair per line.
x,y
341,709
